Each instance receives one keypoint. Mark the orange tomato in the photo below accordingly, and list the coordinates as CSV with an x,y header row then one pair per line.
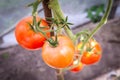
x,y
78,68
28,38
60,56
91,56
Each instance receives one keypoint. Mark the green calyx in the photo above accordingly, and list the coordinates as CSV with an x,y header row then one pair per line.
x,y
53,43
58,14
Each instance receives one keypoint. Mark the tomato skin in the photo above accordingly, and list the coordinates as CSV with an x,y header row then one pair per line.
x,y
78,68
90,58
93,56
60,56
28,38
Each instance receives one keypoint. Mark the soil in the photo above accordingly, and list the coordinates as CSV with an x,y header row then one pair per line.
x,y
17,63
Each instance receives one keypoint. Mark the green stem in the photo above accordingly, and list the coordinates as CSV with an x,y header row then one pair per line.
x,y
54,5
34,6
59,74
102,22
58,14
81,33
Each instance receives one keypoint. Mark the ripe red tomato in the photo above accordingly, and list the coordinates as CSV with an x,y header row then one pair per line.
x,y
92,56
60,56
27,37
78,68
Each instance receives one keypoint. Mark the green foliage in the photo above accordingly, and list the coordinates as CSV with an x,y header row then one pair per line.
x,y
95,13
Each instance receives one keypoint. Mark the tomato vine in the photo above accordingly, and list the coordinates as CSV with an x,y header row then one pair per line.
x,y
63,45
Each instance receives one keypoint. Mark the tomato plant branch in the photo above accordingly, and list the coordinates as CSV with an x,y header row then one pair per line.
x,y
101,23
34,6
36,24
84,33
58,14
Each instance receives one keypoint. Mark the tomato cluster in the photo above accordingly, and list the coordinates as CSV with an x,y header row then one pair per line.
x,y
61,54
91,54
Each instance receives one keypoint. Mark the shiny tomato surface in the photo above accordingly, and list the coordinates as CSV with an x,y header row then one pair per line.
x,y
27,37
92,56
60,56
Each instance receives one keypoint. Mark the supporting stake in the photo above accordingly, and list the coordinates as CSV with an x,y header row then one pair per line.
x,y
47,12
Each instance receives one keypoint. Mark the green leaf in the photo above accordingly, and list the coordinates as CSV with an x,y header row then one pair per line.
x,y
31,26
39,22
70,23
89,14
29,5
97,9
66,19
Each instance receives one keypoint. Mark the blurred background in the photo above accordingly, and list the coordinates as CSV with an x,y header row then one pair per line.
x,y
17,63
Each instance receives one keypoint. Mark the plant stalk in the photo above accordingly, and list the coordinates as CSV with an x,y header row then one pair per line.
x,y
58,14
59,74
48,14
101,23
